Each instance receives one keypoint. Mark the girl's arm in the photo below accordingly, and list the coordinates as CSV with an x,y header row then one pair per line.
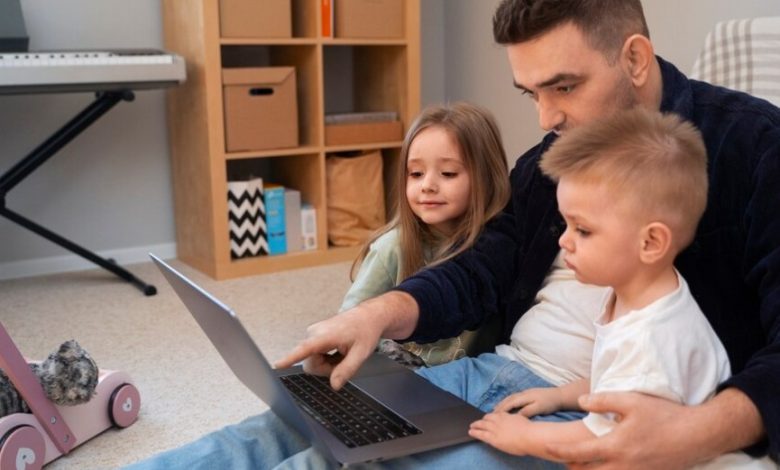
x,y
377,273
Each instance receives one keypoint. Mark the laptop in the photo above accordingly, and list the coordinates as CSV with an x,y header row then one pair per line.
x,y
385,411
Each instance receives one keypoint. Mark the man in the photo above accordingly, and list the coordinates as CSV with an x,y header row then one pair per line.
x,y
578,61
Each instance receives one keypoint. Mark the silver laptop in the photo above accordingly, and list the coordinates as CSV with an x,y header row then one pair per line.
x,y
385,411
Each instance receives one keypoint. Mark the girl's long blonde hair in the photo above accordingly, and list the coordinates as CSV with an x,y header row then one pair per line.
x,y
477,135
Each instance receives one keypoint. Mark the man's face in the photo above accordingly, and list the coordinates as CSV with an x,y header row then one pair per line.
x,y
570,82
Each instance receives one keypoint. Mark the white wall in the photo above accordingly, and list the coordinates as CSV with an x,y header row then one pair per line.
x,y
477,69
110,191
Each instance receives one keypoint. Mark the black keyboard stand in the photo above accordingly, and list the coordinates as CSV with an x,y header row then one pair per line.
x,y
104,101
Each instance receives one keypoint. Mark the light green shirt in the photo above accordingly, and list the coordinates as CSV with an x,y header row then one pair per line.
x,y
379,273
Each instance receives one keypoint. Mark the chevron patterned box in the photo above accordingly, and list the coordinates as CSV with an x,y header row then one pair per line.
x,y
246,213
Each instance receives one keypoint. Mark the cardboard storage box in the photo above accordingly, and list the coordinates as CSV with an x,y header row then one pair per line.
x,y
369,18
261,109
363,132
255,18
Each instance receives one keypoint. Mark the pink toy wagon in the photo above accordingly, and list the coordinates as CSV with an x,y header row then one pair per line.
x,y
28,441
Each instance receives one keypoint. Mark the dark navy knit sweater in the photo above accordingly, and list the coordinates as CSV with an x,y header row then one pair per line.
x,y
732,267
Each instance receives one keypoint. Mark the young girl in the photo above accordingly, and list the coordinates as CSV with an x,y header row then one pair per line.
x,y
453,180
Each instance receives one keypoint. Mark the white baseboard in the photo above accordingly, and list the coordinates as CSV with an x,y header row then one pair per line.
x,y
66,263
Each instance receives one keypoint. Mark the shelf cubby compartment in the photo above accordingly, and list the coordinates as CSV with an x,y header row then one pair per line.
x,y
332,75
305,61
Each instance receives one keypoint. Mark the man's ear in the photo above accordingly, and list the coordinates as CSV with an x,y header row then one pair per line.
x,y
656,242
637,57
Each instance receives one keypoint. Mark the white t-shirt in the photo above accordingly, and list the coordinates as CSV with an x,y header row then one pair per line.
x,y
667,349
554,339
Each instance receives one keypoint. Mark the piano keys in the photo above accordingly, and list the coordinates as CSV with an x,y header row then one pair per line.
x,y
69,71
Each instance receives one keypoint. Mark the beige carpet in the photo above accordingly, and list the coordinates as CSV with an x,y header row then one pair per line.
x,y
186,389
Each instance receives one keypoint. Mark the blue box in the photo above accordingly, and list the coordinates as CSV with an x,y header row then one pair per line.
x,y
274,219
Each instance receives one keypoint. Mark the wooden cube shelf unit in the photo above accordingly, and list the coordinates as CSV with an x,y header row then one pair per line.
x,y
383,74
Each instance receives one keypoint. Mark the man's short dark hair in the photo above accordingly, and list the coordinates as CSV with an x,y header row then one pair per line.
x,y
606,24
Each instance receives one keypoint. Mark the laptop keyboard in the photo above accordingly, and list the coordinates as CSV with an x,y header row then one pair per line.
x,y
353,417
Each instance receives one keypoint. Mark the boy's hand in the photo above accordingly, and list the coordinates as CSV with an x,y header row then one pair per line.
x,y
503,431
532,402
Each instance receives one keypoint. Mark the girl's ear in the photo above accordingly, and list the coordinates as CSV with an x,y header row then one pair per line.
x,y
637,57
656,242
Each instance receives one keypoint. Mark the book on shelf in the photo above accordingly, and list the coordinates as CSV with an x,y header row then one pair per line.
x,y
327,18
309,226
352,118
292,218
246,218
273,196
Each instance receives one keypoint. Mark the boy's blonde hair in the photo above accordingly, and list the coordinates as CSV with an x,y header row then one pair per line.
x,y
477,135
656,162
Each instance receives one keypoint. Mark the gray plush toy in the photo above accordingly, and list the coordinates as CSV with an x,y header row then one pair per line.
x,y
68,376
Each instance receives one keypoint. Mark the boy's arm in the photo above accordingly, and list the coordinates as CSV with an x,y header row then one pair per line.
x,y
516,434
541,401
571,392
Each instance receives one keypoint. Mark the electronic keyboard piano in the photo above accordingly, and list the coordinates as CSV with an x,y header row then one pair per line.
x,y
67,71
112,76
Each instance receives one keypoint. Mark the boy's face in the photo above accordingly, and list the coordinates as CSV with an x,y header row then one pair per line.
x,y
570,82
603,239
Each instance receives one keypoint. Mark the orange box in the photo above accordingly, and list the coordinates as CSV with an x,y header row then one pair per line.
x,y
261,108
363,132
369,18
255,18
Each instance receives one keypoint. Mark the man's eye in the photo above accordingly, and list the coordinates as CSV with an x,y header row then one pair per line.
x,y
529,94
566,89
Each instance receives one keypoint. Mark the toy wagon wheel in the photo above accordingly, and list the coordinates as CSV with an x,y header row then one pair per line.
x,y
124,405
22,448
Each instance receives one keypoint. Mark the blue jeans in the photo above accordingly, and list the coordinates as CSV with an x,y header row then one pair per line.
x,y
265,442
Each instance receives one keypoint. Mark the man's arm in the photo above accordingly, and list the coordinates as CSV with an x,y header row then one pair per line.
x,y
656,433
353,335
480,284
438,302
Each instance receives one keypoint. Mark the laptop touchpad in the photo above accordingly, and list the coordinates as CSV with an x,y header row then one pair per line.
x,y
407,393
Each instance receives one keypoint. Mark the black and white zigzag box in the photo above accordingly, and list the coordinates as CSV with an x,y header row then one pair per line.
x,y
246,213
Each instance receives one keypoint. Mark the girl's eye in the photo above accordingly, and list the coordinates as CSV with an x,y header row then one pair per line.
x,y
449,174
415,174
582,232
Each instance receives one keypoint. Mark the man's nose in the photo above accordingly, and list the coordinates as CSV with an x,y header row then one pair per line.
x,y
550,116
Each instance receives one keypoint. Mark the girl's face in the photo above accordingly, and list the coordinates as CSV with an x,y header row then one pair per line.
x,y
438,185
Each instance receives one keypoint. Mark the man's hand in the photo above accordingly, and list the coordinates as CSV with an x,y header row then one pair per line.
x,y
654,433
339,345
